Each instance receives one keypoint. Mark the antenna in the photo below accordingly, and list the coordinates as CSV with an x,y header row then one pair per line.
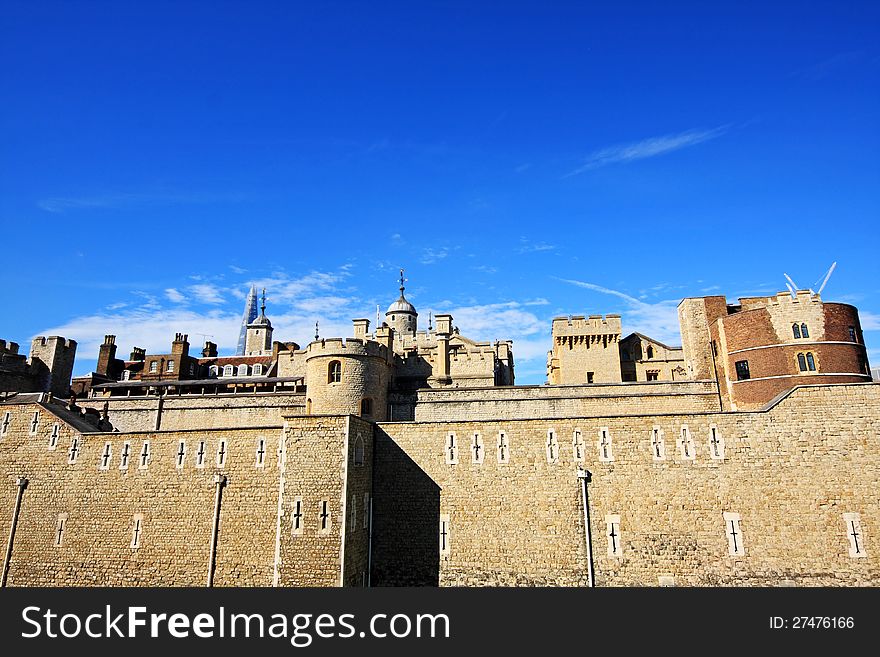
x,y
827,276
205,336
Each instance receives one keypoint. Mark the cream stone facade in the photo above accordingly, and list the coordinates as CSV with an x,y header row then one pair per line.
x,y
404,456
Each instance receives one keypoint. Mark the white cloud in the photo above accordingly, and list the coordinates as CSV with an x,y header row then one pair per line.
x,y
174,295
527,246
206,293
651,147
869,321
430,255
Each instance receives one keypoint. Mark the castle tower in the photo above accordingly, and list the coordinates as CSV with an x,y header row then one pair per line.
x,y
250,314
585,350
402,315
258,335
52,362
349,377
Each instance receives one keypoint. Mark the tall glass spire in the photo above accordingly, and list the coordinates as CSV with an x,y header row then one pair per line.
x,y
250,314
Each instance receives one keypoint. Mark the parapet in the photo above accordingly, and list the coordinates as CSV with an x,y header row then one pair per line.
x,y
592,325
781,299
8,347
351,347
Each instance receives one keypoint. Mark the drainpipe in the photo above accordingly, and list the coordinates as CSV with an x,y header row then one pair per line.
x,y
22,483
219,483
584,476
715,374
370,546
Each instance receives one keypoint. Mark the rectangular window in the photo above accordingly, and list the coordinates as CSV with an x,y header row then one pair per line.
x,y
451,449
444,535
125,456
477,449
716,443
7,419
35,423
324,517
144,458
605,453
590,377
735,546
658,448
221,453
854,534
180,457
742,370
154,366
53,437
852,334
552,447
260,453
73,452
137,530
200,454
686,444
297,517
106,455
577,442
60,529
169,366
652,376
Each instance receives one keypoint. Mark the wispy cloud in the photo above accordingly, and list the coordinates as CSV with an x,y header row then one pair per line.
x,y
658,320
870,321
830,66
527,246
174,295
430,255
206,293
651,147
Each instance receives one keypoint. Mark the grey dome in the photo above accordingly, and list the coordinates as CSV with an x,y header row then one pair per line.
x,y
401,306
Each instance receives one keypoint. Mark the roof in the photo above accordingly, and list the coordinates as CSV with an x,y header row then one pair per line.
x,y
649,339
401,306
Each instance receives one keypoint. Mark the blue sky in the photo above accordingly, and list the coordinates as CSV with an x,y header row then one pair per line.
x,y
520,160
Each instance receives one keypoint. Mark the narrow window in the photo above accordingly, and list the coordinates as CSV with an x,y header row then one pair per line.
x,y
802,362
35,422
334,372
605,454
257,370
221,453
106,455
805,333
811,363
658,448
735,546
366,510
181,454
144,459
227,370
324,516
200,454
852,334
260,453
212,371
53,437
73,452
297,523
451,449
366,406
612,524
169,366
577,443
60,528
796,330
154,366
137,529
742,370
444,535
552,447
242,370
4,428
502,450
716,443
126,375
650,352
352,513
358,451
590,377
854,534
477,449
686,444
125,455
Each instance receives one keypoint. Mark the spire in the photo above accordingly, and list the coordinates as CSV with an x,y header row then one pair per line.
x,y
250,314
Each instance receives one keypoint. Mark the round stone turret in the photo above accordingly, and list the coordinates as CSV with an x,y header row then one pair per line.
x,y
402,315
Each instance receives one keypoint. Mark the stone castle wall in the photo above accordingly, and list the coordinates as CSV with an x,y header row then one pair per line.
x,y
790,474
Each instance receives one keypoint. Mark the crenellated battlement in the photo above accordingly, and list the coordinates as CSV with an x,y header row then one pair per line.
x,y
346,347
581,325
